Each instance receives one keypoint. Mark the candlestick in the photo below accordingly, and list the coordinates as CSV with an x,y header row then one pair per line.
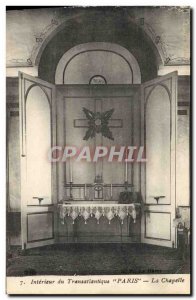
x,y
126,169
70,170
111,191
85,191
70,191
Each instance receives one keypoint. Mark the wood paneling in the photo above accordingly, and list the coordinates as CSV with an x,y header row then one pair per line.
x,y
40,226
158,225
158,145
126,104
12,145
183,142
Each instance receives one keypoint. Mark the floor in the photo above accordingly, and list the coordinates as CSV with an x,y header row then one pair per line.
x,y
96,259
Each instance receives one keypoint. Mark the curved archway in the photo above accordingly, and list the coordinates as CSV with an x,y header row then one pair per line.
x,y
158,132
112,61
91,27
38,141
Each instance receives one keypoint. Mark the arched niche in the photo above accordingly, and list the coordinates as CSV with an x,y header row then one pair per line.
x,y
92,27
38,143
111,61
158,144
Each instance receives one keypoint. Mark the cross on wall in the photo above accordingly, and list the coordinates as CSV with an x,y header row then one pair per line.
x,y
98,136
98,122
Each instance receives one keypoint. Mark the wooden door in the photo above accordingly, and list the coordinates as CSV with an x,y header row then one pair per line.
x,y
158,174
38,175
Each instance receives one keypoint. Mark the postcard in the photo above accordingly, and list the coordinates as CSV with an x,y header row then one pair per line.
x,y
98,150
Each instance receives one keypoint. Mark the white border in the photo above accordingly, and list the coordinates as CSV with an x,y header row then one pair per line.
x,y
3,92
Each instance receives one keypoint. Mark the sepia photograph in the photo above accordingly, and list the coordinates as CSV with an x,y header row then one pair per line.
x,y
98,150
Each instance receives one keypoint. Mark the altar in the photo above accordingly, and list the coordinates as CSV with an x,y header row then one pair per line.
x,y
97,216
97,210
99,221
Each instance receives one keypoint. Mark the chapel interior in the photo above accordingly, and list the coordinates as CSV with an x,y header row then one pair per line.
x,y
68,70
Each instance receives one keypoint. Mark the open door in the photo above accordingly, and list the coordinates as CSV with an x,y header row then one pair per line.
x,y
158,174
38,175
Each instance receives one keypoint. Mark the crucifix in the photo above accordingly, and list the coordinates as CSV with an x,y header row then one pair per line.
x,y
98,122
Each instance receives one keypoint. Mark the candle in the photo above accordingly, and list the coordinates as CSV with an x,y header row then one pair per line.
x,y
126,170
70,170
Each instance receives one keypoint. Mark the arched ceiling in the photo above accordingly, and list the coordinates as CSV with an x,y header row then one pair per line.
x,y
99,26
154,35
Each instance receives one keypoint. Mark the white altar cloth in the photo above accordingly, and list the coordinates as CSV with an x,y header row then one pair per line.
x,y
88,210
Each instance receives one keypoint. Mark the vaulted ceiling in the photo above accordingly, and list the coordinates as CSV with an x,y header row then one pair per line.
x,y
165,30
